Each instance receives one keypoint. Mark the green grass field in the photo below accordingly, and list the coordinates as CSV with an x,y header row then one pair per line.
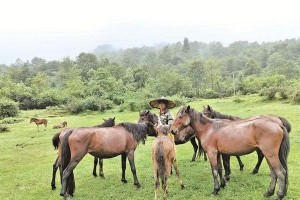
x,y
27,157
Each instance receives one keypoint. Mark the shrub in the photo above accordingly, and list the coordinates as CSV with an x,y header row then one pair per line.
x,y
75,107
296,95
8,108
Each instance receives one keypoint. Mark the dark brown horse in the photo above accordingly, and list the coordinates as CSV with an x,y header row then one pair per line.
x,y
61,125
39,122
147,115
163,158
211,113
239,138
102,143
57,140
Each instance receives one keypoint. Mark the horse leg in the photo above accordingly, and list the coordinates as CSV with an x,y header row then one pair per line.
x,y
133,169
195,146
165,186
101,168
177,173
220,171
277,171
272,185
226,164
240,163
55,167
156,181
123,161
95,166
212,156
260,157
66,175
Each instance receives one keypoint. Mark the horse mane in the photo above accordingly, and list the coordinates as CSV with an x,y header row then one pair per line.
x,y
138,130
215,114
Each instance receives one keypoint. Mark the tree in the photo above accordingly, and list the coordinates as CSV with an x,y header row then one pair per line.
x,y
186,45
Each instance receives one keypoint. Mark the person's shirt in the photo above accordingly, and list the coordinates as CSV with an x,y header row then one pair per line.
x,y
166,117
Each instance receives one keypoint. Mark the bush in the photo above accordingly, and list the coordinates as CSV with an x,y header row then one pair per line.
x,y
75,107
8,108
296,95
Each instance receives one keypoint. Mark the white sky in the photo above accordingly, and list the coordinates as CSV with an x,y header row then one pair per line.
x,y
53,29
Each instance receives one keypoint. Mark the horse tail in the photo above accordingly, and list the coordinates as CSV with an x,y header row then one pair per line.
x,y
286,124
55,140
65,160
283,154
161,161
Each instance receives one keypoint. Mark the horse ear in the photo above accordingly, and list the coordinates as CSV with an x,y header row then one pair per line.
x,y
208,107
188,108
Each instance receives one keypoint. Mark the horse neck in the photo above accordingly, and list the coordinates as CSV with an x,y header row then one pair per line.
x,y
201,125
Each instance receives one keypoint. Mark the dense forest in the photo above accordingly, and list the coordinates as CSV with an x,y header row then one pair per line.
x,y
128,78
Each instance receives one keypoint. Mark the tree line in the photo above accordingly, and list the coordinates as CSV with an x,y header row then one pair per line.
x,y
130,77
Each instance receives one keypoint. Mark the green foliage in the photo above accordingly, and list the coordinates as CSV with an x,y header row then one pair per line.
x,y
296,95
184,68
8,108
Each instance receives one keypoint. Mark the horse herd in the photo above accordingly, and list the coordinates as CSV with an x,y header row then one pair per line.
x,y
219,136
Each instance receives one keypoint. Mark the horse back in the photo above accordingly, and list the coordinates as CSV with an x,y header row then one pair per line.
x,y
104,142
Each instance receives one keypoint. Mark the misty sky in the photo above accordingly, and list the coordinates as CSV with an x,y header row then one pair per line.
x,y
54,29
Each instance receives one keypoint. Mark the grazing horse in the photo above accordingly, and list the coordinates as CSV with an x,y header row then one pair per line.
x,y
239,138
61,125
103,142
147,115
209,112
57,140
163,157
39,122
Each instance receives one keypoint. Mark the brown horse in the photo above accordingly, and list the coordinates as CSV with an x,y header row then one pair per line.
x,y
211,113
39,122
147,115
103,142
61,125
57,140
163,157
239,138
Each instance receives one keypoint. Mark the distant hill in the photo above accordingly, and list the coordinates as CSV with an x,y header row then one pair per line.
x,y
104,48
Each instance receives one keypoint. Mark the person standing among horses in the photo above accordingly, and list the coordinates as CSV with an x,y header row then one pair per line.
x,y
164,105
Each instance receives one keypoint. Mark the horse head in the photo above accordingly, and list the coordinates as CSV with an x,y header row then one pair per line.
x,y
181,120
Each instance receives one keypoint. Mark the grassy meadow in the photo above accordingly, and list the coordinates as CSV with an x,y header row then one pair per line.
x,y
27,157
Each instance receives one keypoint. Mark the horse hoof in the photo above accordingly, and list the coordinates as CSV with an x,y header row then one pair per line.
x,y
53,187
268,193
95,175
124,180
137,185
102,176
242,168
255,171
215,192
182,186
